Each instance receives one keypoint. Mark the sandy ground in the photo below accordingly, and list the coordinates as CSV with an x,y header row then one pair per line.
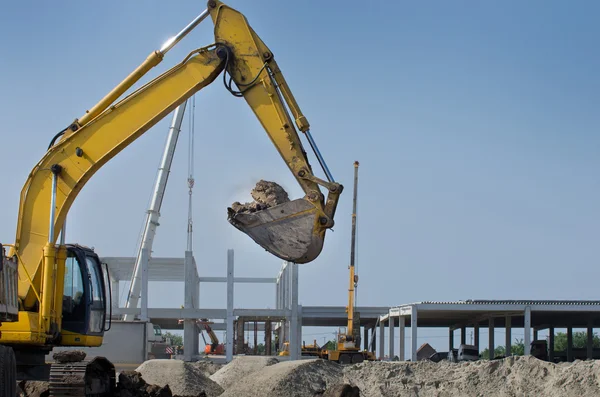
x,y
267,377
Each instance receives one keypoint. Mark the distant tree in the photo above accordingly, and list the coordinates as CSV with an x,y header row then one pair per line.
x,y
579,340
176,340
331,345
260,348
518,349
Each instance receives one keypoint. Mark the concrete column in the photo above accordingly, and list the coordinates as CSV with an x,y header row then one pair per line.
x,y
413,331
374,339
491,344
295,342
268,341
381,340
239,349
402,324
590,342
508,338
114,289
285,332
450,339
229,325
476,337
527,330
551,344
391,338
463,335
570,344
190,331
366,338
299,332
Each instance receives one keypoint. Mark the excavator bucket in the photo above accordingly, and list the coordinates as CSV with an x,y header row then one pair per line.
x,y
290,231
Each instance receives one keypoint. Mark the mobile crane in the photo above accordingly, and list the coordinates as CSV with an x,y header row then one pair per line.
x,y
348,343
62,300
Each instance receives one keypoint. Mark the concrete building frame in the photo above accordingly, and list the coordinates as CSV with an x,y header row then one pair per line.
x,y
530,315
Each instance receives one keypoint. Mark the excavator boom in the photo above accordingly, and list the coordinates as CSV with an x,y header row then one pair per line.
x,y
293,231
61,289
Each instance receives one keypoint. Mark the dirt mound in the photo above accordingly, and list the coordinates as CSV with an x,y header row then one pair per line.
x,y
512,376
184,379
131,384
301,378
265,194
240,367
342,390
208,367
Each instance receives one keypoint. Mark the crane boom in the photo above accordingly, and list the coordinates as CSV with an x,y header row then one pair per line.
x,y
353,276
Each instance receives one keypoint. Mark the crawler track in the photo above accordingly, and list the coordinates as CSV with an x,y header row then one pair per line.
x,y
95,378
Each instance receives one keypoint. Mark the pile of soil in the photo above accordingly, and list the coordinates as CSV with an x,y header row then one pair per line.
x,y
131,384
512,376
266,194
241,367
300,378
184,379
208,367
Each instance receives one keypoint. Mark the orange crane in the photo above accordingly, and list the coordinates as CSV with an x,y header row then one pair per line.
x,y
214,347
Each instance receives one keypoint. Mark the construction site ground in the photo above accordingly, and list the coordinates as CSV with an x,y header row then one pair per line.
x,y
252,376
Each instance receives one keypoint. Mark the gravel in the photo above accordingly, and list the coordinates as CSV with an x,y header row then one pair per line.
x,y
184,379
512,376
240,367
300,378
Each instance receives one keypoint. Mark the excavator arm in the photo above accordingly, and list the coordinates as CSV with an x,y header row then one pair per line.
x,y
293,231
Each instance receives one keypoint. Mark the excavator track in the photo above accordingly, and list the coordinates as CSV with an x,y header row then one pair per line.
x,y
95,378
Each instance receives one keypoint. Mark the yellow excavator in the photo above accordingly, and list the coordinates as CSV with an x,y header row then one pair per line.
x,y
62,300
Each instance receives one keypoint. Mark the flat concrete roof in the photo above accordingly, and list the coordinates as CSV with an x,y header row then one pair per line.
x,y
544,313
316,316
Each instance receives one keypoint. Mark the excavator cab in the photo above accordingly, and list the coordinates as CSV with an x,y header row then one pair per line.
x,y
84,298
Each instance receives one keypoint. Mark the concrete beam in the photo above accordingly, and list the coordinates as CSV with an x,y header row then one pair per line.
x,y
256,280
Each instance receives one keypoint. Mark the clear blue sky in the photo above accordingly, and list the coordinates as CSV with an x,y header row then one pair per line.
x,y
476,125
